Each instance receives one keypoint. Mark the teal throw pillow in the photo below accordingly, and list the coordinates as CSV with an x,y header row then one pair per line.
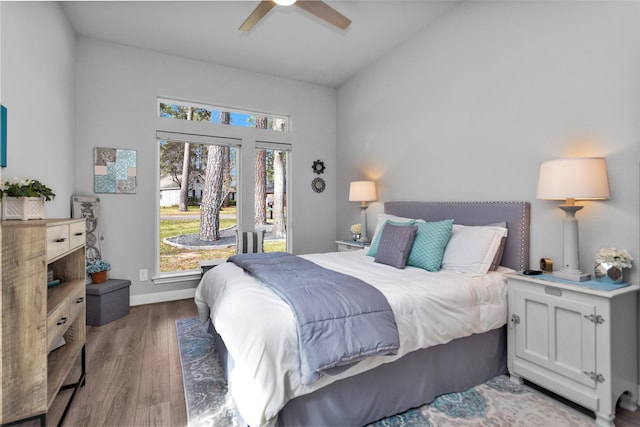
x,y
373,249
429,244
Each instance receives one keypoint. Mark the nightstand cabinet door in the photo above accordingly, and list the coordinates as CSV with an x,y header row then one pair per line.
x,y
554,333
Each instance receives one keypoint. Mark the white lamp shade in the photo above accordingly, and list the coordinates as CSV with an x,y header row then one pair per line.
x,y
583,178
362,191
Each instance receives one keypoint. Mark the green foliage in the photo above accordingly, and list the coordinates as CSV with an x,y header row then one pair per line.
x,y
26,188
176,111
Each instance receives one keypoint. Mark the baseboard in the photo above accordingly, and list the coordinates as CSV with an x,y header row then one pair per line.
x,y
162,296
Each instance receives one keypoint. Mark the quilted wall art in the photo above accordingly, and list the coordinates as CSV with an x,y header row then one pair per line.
x,y
114,170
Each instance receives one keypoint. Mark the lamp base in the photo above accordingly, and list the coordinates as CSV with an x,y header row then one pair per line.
x,y
573,275
363,223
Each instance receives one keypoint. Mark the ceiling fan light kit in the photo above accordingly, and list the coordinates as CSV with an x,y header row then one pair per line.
x,y
318,8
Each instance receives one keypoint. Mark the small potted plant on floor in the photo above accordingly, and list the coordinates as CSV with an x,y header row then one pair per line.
x,y
98,270
24,198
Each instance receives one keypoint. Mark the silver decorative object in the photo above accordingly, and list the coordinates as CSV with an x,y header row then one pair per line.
x,y
607,272
355,237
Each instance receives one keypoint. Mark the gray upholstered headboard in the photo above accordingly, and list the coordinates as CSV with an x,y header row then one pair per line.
x,y
515,214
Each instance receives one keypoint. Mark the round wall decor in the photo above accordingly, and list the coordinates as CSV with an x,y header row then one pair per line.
x,y
318,167
318,185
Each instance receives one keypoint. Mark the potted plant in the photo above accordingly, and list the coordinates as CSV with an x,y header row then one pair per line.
x,y
24,198
355,230
98,270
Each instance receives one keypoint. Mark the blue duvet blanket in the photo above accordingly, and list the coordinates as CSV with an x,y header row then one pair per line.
x,y
341,319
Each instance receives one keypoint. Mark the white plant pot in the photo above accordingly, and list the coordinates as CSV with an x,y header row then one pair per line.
x,y
23,208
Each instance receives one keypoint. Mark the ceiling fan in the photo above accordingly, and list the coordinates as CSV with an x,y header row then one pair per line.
x,y
318,8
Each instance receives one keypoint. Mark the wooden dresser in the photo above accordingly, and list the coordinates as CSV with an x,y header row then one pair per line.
x,y
35,317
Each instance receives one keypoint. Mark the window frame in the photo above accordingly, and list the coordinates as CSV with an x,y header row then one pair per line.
x,y
248,139
218,108
288,147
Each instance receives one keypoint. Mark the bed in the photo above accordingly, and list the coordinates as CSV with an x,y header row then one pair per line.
x,y
441,351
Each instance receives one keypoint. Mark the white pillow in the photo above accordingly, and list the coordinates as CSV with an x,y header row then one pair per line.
x,y
471,249
383,217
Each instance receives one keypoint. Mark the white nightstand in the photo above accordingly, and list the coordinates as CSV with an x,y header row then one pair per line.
x,y
350,245
575,341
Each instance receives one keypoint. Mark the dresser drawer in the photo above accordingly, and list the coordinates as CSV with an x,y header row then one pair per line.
x,y
57,323
77,303
57,241
77,232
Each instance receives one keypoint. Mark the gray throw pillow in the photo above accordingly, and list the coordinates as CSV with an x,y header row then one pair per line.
x,y
395,245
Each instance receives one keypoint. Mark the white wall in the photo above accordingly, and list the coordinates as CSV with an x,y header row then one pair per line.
x,y
470,108
117,88
38,89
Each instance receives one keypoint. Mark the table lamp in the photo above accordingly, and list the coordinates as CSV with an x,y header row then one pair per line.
x,y
570,180
363,192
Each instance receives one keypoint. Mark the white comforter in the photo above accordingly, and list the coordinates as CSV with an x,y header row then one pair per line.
x,y
260,332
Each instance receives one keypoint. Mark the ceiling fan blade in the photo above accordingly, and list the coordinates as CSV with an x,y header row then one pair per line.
x,y
326,12
258,13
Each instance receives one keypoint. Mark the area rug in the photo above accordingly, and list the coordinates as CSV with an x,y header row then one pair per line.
x,y
495,403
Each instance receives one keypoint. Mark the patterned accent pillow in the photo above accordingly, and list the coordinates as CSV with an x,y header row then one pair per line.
x,y
395,245
429,245
373,249
249,242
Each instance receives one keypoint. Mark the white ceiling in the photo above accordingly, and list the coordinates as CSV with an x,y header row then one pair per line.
x,y
288,42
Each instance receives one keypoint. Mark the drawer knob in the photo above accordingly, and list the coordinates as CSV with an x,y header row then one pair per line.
x,y
60,240
79,233
80,300
515,319
62,321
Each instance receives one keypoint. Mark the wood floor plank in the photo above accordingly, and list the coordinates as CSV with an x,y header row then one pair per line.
x,y
154,384
154,416
119,401
175,368
178,405
131,338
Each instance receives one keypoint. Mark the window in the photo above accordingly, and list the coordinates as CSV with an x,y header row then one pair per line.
x,y
199,190
198,219
270,211
182,110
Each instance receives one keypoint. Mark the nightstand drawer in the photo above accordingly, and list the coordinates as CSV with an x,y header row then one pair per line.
x,y
349,245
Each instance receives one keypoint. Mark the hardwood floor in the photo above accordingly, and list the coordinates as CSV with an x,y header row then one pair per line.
x,y
134,376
